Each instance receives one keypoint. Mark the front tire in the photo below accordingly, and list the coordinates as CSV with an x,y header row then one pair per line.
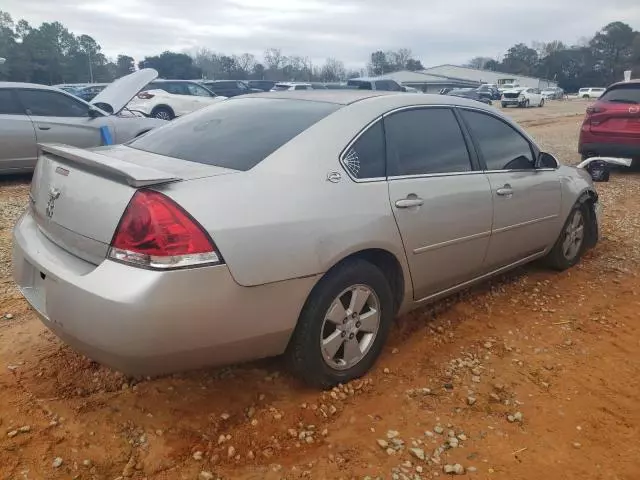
x,y
572,240
504,105
541,103
343,325
163,113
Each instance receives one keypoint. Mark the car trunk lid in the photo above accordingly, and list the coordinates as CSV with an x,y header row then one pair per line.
x,y
617,112
78,196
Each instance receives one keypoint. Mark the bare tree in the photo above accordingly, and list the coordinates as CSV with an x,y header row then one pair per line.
x,y
273,58
333,70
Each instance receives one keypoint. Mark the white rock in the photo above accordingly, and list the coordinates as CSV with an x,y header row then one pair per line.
x,y
383,443
225,416
205,476
57,462
197,455
471,400
418,453
392,434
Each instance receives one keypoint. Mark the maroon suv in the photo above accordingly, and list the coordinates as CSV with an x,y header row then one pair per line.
x,y
611,127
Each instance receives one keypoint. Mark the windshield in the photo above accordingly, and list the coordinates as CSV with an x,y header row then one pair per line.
x,y
281,87
623,94
235,134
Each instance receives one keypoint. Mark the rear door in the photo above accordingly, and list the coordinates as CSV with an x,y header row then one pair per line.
x,y
617,113
442,205
526,201
17,135
61,118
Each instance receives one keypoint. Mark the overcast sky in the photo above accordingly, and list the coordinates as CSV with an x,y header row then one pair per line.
x,y
437,31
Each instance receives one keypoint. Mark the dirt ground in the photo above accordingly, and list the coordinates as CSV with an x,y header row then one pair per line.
x,y
536,375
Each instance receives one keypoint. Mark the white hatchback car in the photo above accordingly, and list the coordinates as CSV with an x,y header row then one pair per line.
x,y
591,92
291,86
168,99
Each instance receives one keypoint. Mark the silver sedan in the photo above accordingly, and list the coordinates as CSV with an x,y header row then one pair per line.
x,y
295,223
32,114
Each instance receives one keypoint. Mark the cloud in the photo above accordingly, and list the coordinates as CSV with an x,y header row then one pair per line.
x,y
437,31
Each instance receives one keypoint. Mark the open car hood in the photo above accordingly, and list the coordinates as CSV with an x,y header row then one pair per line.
x,y
119,93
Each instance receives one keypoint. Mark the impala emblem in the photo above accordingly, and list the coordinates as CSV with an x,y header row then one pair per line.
x,y
54,193
634,109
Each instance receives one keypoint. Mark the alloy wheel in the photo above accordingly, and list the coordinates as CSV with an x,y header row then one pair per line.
x,y
574,236
350,327
163,115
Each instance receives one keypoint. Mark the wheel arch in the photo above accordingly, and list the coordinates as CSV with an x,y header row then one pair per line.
x,y
163,106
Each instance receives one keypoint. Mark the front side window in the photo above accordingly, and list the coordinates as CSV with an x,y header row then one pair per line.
x,y
235,134
45,103
366,156
8,104
501,146
425,141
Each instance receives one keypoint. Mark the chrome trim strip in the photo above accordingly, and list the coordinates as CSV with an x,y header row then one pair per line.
x,y
455,241
524,224
480,278
431,175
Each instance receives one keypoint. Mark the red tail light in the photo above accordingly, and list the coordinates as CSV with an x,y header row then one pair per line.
x,y
155,232
145,96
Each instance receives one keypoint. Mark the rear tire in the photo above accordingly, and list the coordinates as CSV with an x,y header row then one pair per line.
x,y
504,105
586,96
321,350
572,240
541,103
163,113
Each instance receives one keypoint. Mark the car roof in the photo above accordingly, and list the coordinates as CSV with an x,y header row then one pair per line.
x,y
347,97
630,82
163,80
27,85
292,83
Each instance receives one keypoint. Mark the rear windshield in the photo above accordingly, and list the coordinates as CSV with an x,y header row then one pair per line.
x,y
236,134
623,94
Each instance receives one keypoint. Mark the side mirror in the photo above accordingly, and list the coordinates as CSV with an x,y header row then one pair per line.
x,y
546,160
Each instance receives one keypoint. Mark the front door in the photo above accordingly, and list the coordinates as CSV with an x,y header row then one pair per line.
x,y
60,118
17,137
442,206
526,201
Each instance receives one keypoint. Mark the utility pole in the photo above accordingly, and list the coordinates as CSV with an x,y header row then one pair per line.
x,y
90,67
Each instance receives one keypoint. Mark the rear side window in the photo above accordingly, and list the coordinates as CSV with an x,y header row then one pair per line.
x,y
235,134
623,94
501,146
366,157
425,141
8,104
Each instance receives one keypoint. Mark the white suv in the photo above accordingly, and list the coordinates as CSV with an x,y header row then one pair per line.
x,y
591,92
523,97
167,99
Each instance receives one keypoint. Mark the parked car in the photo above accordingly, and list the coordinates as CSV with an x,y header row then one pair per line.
x,y
31,114
171,273
523,97
489,91
611,126
591,92
318,86
290,86
264,85
229,88
470,93
375,84
168,99
553,93
89,92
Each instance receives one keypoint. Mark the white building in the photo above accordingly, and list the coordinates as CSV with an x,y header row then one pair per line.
x,y
426,82
488,76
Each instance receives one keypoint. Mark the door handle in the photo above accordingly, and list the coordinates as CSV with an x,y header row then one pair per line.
x,y
43,127
505,191
409,202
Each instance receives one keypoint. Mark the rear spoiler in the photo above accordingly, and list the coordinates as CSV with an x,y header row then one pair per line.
x,y
131,173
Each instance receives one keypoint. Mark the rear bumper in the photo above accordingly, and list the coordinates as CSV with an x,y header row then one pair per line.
x,y
149,322
606,149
